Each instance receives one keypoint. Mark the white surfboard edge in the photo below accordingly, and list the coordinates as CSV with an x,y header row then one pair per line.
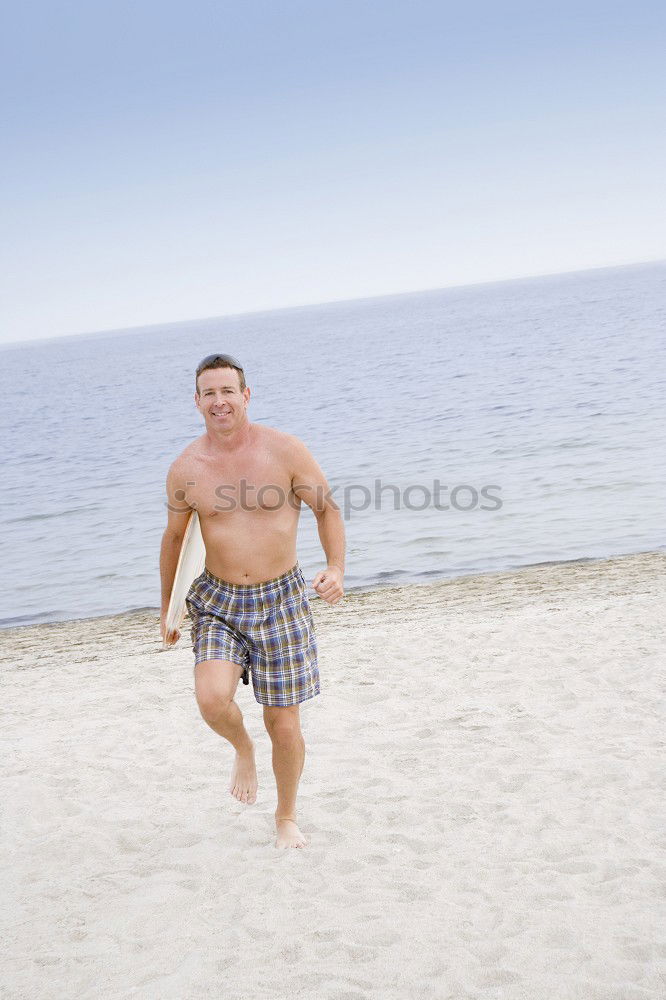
x,y
191,562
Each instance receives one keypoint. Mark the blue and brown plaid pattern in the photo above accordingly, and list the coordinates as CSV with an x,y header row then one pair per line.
x,y
267,628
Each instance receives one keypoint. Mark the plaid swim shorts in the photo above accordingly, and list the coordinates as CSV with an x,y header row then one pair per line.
x,y
267,628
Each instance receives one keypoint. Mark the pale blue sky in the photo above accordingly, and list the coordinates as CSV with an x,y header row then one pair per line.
x,y
169,161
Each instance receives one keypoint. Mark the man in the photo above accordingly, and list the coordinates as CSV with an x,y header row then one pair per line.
x,y
249,608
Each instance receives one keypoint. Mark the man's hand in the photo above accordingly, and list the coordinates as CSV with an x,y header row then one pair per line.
x,y
172,637
328,584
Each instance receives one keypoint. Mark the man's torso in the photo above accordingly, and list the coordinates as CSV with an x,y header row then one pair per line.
x,y
247,509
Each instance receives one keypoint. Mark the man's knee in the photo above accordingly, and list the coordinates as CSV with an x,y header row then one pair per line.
x,y
215,683
214,707
283,726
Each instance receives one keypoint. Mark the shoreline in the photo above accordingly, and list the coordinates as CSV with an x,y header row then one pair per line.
x,y
388,588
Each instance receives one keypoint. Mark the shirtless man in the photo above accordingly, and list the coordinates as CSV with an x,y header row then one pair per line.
x,y
249,608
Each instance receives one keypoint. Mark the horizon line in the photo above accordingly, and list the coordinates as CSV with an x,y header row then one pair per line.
x,y
327,302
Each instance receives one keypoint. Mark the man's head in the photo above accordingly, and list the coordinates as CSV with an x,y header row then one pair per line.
x,y
219,361
221,394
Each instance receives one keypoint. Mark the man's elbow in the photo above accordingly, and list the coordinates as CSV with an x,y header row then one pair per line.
x,y
328,512
173,536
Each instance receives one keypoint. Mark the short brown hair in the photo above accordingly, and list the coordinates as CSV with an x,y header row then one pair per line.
x,y
219,361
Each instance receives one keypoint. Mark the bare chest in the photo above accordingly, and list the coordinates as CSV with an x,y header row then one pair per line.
x,y
255,483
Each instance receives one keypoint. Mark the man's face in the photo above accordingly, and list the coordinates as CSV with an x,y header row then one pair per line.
x,y
220,399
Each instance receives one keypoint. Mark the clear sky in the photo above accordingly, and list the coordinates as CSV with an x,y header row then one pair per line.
x,y
168,161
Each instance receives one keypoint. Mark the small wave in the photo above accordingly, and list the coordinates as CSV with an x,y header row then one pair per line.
x,y
49,516
392,574
42,618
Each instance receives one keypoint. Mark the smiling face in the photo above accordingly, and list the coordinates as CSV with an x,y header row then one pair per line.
x,y
220,399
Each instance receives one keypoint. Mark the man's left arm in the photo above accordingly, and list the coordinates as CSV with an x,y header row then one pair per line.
x,y
309,484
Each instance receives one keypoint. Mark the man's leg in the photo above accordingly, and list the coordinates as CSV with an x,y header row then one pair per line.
x,y
283,725
215,683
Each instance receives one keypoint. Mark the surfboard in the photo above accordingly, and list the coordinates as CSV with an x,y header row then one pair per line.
x,y
191,562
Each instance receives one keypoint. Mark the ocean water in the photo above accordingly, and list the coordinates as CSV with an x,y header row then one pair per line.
x,y
468,429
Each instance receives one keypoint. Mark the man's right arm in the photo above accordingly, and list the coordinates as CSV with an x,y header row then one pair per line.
x,y
178,514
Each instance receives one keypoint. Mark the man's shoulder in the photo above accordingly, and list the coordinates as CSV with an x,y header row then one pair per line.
x,y
284,447
279,440
188,456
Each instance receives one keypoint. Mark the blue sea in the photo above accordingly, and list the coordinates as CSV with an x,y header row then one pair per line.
x,y
467,429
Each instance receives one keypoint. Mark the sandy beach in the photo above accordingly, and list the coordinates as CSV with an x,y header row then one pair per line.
x,y
482,798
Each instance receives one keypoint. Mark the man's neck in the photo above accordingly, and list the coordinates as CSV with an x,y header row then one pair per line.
x,y
227,441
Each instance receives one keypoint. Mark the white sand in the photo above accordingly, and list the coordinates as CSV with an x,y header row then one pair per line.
x,y
482,795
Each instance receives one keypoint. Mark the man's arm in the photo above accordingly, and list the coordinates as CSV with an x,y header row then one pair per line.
x,y
172,539
309,483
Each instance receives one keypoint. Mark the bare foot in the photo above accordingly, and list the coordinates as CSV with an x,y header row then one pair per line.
x,y
288,834
243,784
